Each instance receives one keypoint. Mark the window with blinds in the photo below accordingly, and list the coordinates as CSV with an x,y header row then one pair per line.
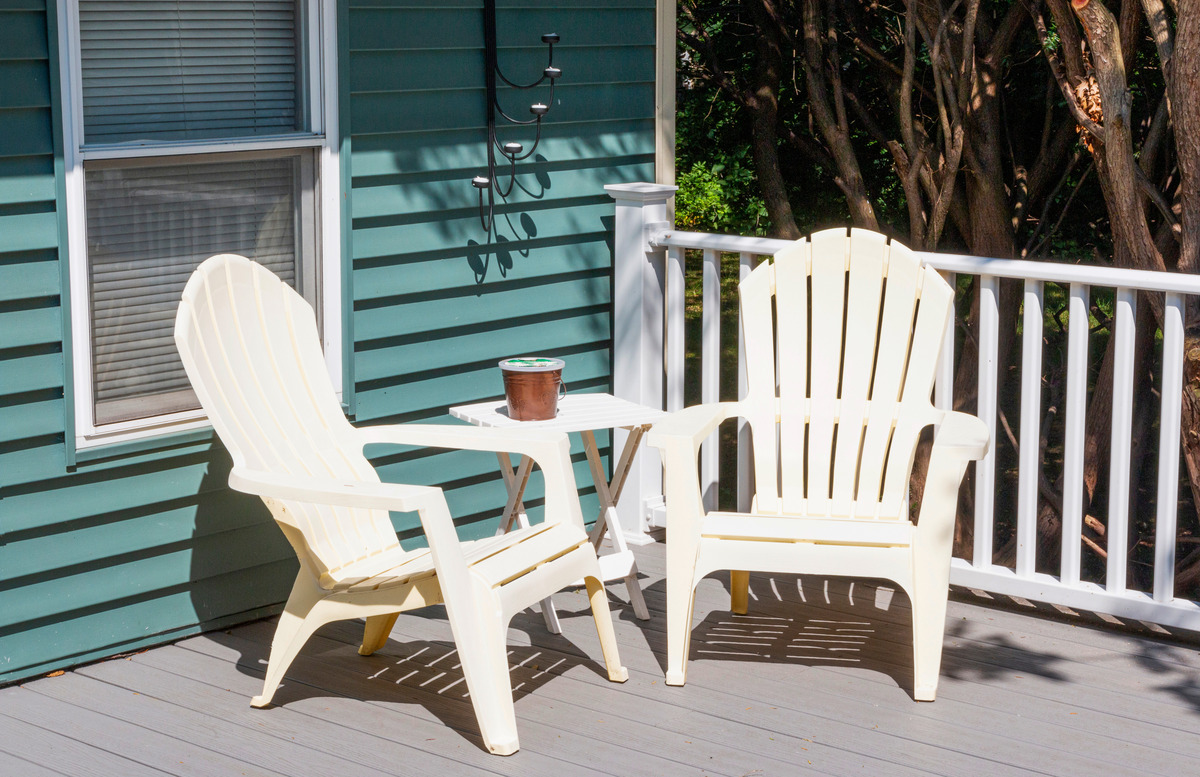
x,y
169,88
148,227
166,70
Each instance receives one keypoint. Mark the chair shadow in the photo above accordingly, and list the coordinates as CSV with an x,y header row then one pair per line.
x,y
806,621
859,623
405,671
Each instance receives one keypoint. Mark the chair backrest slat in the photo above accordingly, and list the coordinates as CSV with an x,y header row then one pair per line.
x,y
791,313
758,330
251,349
895,335
856,328
915,410
868,260
825,363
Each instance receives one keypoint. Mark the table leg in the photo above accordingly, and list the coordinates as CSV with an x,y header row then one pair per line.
x,y
621,563
515,482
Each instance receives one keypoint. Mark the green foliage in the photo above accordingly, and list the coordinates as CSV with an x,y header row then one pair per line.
x,y
701,203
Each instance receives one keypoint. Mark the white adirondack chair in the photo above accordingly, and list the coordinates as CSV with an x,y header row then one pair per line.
x,y
251,349
841,335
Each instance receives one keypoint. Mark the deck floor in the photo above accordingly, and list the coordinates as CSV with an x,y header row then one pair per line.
x,y
815,680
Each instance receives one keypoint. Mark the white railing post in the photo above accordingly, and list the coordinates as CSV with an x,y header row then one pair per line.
x,y
638,293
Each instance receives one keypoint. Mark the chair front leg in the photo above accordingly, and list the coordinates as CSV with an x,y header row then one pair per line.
x,y
301,616
931,569
681,596
480,636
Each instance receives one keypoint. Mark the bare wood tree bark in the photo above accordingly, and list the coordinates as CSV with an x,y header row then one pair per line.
x,y
827,101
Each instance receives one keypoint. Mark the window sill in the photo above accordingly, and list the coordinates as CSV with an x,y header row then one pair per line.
x,y
155,444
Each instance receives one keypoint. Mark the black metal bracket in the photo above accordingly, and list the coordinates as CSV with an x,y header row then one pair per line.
x,y
512,152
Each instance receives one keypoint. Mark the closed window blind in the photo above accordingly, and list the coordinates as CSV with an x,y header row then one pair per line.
x,y
162,70
148,227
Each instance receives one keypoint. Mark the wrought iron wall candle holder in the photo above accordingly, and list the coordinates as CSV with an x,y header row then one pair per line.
x,y
512,152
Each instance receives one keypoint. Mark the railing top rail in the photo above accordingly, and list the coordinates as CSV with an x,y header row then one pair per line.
x,y
1023,269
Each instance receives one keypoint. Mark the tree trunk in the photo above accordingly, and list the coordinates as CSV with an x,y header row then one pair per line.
x,y
829,114
765,123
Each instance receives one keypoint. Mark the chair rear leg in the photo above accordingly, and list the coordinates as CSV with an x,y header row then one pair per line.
x,y
376,632
739,591
301,616
604,629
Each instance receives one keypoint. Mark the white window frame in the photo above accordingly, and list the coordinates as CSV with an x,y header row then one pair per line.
x,y
322,138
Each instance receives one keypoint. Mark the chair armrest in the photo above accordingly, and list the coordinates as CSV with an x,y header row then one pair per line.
x,y
690,426
678,437
550,450
343,493
959,439
962,435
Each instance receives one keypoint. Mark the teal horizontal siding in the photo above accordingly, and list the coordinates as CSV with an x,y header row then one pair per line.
x,y
29,231
550,295
581,330
152,617
146,529
130,574
442,154
136,544
27,372
55,506
449,269
450,28
25,417
394,69
26,131
26,179
540,185
431,235
21,327
24,83
24,26
447,110
21,279
30,460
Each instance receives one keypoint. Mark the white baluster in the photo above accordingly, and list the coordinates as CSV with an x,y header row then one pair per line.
x,y
1031,423
1078,325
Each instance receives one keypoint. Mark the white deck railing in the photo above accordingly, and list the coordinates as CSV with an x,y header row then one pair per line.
x,y
649,366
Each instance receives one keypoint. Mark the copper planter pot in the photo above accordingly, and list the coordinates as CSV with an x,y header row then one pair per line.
x,y
532,387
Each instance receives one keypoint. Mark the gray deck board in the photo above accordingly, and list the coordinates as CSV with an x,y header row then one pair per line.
x,y
11,764
815,679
